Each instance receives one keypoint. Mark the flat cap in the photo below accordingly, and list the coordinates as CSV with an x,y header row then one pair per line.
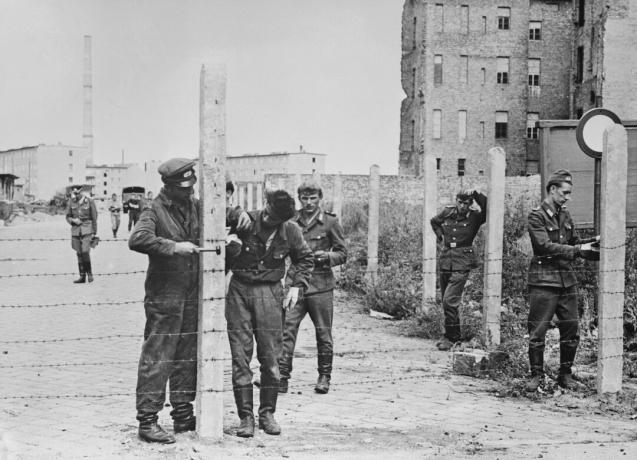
x,y
178,172
559,176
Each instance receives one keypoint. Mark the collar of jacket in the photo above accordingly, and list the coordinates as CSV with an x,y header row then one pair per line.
x,y
167,202
301,221
550,209
257,217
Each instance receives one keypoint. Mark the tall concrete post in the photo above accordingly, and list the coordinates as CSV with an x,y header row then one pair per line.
x,y
211,338
241,195
87,132
612,260
297,182
492,292
337,206
250,206
429,209
373,224
259,194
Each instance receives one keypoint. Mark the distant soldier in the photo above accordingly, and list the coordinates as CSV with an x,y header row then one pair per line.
x,y
134,210
81,214
324,234
456,227
552,281
115,207
149,197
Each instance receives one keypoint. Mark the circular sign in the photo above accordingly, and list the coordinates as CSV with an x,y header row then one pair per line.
x,y
590,130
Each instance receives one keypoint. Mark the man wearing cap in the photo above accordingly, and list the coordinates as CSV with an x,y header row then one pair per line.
x,y
115,208
255,304
81,214
134,205
456,227
324,235
552,281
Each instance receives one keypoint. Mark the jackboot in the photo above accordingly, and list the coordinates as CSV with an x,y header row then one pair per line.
x,y
268,424
568,350
246,427
322,384
283,385
567,381
536,361
183,417
268,396
82,278
89,270
150,431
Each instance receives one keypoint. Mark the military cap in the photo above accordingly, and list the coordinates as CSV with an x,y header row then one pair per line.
x,y
178,172
558,177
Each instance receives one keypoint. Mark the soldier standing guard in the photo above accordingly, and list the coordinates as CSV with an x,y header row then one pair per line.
x,y
134,210
324,234
115,207
456,227
552,281
81,214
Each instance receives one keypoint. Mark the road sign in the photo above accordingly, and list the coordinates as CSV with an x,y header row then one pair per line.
x,y
590,130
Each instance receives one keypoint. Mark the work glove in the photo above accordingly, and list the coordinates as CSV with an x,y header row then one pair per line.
x,y
291,298
185,248
321,258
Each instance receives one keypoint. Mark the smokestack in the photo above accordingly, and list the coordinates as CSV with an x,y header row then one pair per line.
x,y
87,136
122,156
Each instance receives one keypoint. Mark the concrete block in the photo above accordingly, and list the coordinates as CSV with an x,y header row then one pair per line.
x,y
476,363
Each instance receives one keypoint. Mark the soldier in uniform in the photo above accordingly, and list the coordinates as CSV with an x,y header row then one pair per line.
x,y
134,210
81,214
552,282
255,304
324,234
115,208
168,232
456,227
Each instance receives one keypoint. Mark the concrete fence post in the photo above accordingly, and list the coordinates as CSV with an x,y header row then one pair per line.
x,y
298,179
492,291
612,260
250,206
259,196
373,223
337,206
429,209
211,337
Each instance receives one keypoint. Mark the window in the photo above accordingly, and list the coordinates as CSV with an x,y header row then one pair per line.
x,y
593,99
462,125
464,69
579,112
501,123
531,125
70,166
579,76
439,17
413,135
105,192
105,175
438,69
535,30
482,129
105,184
413,79
70,153
504,18
484,24
313,160
438,164
437,124
503,70
415,32
534,77
464,19
70,180
483,72
461,165
581,10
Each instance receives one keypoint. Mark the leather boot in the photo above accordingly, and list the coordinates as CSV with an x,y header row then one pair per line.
x,y
322,384
150,431
568,350
183,418
283,385
268,424
268,396
534,382
536,361
89,270
82,278
243,399
246,427
567,381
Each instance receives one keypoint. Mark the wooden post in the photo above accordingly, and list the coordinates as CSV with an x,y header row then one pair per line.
x,y
373,222
492,292
337,200
211,345
612,260
429,210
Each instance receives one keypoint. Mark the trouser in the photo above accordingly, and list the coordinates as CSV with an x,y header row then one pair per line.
x,y
320,307
451,287
169,351
133,217
545,302
82,246
254,310
115,220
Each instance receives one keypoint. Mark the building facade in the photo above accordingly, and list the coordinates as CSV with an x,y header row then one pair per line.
x,y
253,167
481,74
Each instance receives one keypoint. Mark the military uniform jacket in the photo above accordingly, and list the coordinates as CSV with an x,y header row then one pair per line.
x,y
84,209
162,224
324,233
257,263
553,241
457,234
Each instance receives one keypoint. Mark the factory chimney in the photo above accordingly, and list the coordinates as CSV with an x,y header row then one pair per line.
x,y
87,135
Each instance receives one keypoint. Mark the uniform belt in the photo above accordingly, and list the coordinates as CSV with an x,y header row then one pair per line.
x,y
455,245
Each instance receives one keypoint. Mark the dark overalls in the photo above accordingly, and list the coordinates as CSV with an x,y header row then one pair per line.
x,y
457,258
169,351
324,233
254,306
552,284
82,234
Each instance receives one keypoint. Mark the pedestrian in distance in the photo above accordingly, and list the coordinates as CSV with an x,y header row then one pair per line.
x,y
552,281
115,208
456,226
324,235
134,205
81,214
255,304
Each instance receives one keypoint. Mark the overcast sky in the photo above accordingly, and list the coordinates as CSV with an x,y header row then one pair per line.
x,y
321,73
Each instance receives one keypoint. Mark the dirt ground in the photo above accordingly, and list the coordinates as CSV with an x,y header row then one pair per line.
x,y
68,359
